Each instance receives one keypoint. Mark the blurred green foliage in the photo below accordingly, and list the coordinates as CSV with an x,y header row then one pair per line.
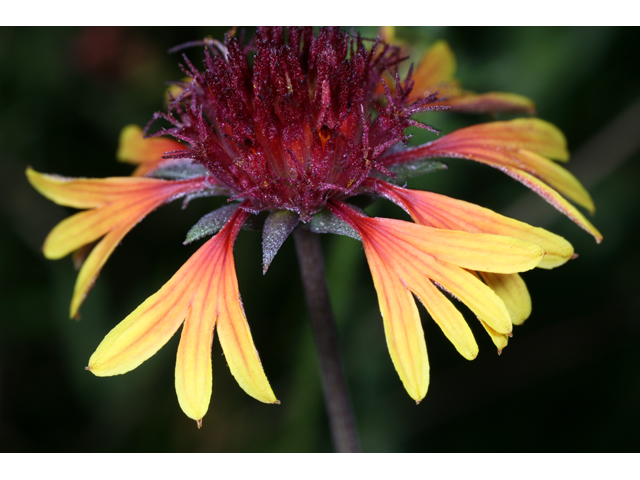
x,y
568,381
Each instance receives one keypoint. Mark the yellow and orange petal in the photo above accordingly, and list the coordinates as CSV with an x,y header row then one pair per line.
x,y
203,294
147,153
439,211
520,149
521,144
117,205
436,73
514,293
407,258
555,199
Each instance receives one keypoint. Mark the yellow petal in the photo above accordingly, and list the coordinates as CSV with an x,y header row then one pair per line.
x,y
145,152
500,340
90,192
480,299
448,318
145,330
513,292
475,251
193,369
74,232
93,264
193,362
402,327
558,177
235,338
440,211
387,34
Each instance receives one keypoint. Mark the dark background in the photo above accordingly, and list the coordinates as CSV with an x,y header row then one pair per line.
x,y
568,381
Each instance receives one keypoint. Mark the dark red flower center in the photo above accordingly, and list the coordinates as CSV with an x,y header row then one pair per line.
x,y
303,122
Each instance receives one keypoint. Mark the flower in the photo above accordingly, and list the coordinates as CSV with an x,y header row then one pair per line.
x,y
313,121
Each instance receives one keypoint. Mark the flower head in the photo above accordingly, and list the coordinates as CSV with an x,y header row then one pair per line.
x,y
293,124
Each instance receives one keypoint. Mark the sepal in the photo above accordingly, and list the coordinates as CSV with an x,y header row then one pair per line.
x,y
211,223
277,227
326,222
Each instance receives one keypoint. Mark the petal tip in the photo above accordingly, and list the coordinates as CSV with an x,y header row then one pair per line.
x,y
95,369
128,138
199,423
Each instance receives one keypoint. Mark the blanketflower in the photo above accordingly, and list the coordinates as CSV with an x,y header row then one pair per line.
x,y
313,121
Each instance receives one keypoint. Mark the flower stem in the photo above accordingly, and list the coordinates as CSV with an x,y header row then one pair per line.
x,y
325,335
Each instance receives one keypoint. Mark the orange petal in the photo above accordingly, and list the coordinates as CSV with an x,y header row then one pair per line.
x,y
513,292
435,73
468,102
145,152
440,211
402,327
434,70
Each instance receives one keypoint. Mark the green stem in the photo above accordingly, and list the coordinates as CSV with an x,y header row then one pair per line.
x,y
325,335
